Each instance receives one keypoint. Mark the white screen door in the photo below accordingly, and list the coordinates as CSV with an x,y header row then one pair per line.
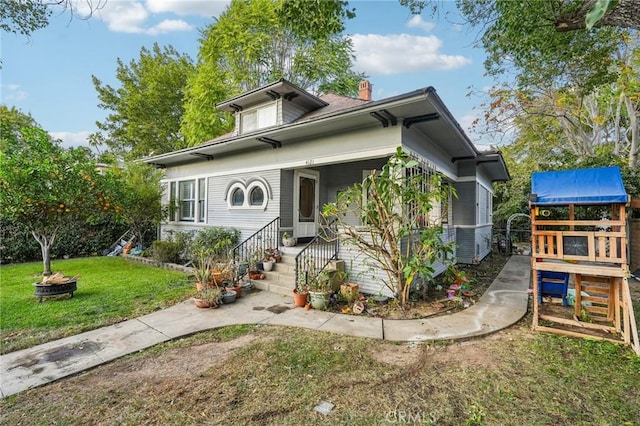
x,y
305,204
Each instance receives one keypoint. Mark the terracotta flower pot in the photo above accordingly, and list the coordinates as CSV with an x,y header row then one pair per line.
x,y
238,289
201,303
299,300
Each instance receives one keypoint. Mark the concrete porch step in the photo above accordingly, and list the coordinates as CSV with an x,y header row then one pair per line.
x,y
281,279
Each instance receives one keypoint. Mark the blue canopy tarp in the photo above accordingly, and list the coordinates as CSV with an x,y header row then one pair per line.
x,y
602,185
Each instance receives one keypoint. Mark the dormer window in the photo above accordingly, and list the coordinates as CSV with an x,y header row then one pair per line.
x,y
258,118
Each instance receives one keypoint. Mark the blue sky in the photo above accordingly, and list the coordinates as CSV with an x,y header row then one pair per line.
x,y
49,74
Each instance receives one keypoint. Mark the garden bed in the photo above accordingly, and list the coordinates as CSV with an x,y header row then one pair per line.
x,y
433,301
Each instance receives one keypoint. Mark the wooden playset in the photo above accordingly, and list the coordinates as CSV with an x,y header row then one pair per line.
x,y
579,228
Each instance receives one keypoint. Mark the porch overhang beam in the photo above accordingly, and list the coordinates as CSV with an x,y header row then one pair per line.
x,y
290,95
380,118
454,159
410,121
236,107
273,94
207,157
392,118
274,143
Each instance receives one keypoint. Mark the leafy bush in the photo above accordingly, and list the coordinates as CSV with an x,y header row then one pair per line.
x,y
77,240
218,238
166,251
184,240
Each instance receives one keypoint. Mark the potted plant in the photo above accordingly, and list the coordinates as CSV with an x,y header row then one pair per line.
x,y
320,290
229,296
267,264
288,241
273,254
349,290
208,297
202,267
300,295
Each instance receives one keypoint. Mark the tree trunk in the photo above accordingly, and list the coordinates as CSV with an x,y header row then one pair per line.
x,y
633,123
45,248
625,15
46,259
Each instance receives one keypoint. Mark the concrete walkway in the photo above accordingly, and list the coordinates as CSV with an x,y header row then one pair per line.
x,y
503,304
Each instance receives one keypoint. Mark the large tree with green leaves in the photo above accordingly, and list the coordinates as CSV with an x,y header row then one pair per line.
x,y
27,16
138,192
255,42
567,15
44,186
521,38
147,108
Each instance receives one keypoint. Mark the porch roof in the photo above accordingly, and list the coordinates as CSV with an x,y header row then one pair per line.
x,y
279,89
421,109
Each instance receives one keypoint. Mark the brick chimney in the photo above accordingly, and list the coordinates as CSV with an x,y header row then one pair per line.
x,y
364,87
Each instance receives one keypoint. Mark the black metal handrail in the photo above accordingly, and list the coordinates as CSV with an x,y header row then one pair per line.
x,y
254,247
317,254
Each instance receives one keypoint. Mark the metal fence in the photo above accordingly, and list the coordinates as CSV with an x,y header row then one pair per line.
x,y
518,242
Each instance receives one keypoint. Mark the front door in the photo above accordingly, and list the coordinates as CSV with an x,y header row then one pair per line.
x,y
305,205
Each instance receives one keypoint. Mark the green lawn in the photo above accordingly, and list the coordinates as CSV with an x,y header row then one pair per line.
x,y
110,289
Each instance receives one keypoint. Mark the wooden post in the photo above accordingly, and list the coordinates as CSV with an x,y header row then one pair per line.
x,y
572,217
578,299
536,290
630,328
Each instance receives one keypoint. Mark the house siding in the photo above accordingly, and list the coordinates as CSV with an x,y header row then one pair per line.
x,y
465,238
483,241
246,220
466,168
464,205
421,145
369,276
290,111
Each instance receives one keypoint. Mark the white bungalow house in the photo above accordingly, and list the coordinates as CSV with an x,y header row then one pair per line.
x,y
291,152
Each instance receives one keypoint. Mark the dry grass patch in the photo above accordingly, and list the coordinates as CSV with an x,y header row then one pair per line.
x,y
273,375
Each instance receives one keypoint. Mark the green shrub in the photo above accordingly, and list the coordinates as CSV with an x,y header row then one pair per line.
x,y
218,238
184,240
74,240
165,251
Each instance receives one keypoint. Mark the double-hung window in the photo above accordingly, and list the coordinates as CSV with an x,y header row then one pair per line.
x,y
258,118
187,200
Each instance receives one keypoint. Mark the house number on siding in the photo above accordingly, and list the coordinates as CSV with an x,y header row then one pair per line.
x,y
309,162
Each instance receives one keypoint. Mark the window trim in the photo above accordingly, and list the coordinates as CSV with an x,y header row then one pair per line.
x,y
191,201
250,191
247,189
198,200
259,114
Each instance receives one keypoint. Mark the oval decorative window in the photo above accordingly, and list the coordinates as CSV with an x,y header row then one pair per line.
x,y
237,197
256,197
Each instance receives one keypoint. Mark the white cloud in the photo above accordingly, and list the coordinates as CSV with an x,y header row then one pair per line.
x,y
72,139
402,53
168,26
417,22
124,16
188,7
13,93
129,16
